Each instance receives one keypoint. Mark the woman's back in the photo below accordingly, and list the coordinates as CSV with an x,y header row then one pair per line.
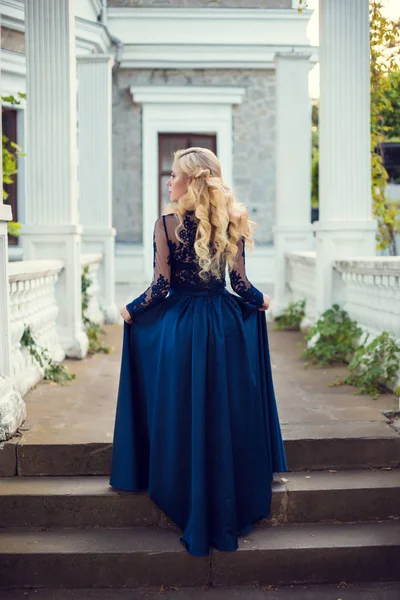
x,y
176,266
183,259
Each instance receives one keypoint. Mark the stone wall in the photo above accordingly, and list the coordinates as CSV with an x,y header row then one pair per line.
x,y
12,40
253,141
202,3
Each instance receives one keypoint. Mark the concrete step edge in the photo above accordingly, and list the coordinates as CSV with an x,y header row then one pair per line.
x,y
292,481
314,591
145,540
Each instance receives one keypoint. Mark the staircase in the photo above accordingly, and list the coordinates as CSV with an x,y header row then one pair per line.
x,y
63,527
74,531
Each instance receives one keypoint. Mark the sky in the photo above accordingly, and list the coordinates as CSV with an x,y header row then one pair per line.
x,y
391,8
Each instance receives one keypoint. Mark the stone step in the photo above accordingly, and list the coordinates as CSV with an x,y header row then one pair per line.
x,y
100,557
361,591
90,501
308,447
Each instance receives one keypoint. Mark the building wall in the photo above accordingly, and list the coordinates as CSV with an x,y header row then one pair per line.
x,y
253,143
202,3
12,40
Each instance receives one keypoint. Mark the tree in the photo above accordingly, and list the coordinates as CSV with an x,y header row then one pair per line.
x,y
10,151
384,47
391,112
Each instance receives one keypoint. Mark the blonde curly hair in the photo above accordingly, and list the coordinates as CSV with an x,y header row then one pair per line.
x,y
223,221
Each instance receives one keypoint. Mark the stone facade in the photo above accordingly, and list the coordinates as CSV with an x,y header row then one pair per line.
x,y
12,40
202,3
253,143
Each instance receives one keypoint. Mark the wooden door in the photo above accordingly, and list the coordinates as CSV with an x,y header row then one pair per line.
x,y
168,143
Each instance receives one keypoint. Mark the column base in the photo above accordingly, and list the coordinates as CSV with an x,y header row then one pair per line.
x,y
12,410
77,347
339,240
111,314
287,239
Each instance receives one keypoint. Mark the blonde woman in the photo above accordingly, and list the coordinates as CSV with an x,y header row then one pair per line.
x,y
196,422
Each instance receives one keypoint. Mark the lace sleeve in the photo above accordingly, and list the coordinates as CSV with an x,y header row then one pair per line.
x,y
239,282
160,285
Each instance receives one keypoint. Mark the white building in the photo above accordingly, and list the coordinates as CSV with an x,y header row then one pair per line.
x,y
114,87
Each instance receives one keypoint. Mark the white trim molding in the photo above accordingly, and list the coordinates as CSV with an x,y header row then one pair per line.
x,y
13,74
13,14
161,94
206,109
210,56
188,25
236,38
91,37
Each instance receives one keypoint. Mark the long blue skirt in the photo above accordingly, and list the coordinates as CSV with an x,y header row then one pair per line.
x,y
196,422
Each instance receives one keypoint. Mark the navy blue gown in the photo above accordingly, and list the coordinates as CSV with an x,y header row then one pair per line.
x,y
196,421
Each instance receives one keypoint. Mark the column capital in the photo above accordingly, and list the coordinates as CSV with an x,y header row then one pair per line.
x,y
294,55
96,58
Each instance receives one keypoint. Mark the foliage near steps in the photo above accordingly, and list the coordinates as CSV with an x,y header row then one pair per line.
x,y
291,316
93,330
53,371
375,366
335,339
57,372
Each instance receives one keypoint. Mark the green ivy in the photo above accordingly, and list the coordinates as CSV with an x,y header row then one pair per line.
x,y
291,316
333,338
53,371
96,344
375,366
85,285
93,330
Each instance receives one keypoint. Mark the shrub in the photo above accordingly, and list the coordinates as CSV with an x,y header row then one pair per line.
x,y
375,366
291,316
333,338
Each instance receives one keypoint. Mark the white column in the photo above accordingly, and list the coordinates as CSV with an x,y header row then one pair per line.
x,y
52,227
293,230
345,228
12,407
95,171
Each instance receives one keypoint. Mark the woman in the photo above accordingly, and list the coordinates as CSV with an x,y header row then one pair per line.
x,y
196,422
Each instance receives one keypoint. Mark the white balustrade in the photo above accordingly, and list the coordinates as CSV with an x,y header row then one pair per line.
x,y
301,282
93,311
371,293
33,303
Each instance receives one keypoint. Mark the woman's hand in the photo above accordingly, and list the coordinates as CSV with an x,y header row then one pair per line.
x,y
266,303
125,315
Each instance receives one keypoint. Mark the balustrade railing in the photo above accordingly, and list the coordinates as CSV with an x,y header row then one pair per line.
x,y
33,303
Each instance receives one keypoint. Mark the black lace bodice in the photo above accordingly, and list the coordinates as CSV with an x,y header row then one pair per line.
x,y
176,266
